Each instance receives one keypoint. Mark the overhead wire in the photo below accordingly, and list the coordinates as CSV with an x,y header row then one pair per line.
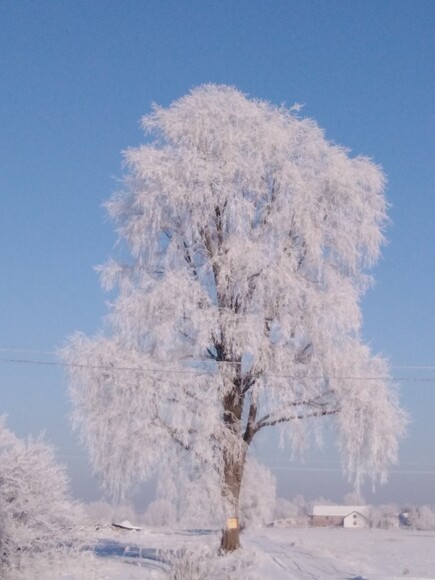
x,y
193,371
208,360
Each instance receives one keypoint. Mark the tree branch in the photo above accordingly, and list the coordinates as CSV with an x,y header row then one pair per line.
x,y
250,425
266,421
189,260
174,436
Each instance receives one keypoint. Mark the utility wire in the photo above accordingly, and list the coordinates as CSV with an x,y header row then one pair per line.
x,y
201,372
391,471
207,360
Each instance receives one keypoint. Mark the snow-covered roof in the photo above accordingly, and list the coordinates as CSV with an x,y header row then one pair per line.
x,y
126,525
339,510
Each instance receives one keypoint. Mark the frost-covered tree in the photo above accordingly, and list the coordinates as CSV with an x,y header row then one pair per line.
x,y
160,512
249,237
38,520
384,516
257,495
354,498
99,513
422,517
285,508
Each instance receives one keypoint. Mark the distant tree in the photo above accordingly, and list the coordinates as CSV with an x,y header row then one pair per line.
x,y
285,508
301,504
160,512
250,236
257,495
422,517
100,513
38,520
384,516
354,498
125,512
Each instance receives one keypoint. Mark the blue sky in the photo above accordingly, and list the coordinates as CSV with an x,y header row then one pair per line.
x,y
75,78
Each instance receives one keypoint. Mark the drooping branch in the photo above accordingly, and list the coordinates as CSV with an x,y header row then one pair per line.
x,y
270,205
219,225
304,353
189,260
171,432
174,436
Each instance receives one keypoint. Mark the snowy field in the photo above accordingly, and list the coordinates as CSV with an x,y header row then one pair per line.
x,y
299,554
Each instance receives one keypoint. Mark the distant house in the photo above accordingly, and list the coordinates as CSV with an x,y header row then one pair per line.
x,y
345,516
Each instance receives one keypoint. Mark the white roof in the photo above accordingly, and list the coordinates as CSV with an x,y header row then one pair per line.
x,y
126,525
339,510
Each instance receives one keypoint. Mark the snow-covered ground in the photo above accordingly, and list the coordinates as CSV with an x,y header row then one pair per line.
x,y
298,554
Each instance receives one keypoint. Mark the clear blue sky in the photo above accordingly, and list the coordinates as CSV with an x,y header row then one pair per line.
x,y
75,78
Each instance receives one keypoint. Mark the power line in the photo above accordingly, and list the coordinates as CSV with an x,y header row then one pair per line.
x,y
202,372
208,360
391,471
302,468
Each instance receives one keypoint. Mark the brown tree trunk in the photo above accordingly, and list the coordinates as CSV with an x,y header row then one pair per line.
x,y
233,473
230,540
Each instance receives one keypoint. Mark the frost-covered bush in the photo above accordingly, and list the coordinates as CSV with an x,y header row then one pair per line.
x,y
100,513
125,512
422,517
199,499
37,518
201,502
384,516
160,512
295,507
258,495
204,564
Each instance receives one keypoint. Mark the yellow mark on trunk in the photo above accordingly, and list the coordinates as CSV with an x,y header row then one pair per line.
x,y
232,524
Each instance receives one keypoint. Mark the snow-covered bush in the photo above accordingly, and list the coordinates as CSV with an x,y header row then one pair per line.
x,y
295,507
160,512
258,495
205,564
100,513
422,517
37,518
125,512
285,508
384,516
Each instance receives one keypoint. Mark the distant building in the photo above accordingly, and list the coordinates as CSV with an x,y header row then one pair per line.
x,y
345,516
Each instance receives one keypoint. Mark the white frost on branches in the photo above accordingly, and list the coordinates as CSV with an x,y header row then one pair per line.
x,y
38,520
258,495
250,236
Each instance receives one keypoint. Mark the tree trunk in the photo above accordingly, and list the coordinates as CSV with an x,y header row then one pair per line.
x,y
230,540
233,473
